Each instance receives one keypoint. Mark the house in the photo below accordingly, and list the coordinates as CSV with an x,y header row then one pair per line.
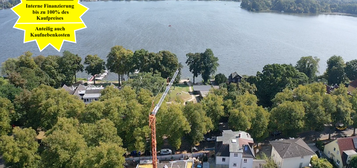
x,y
234,150
291,153
341,150
234,77
352,86
85,93
203,90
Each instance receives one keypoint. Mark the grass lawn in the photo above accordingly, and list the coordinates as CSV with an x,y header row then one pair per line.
x,y
180,91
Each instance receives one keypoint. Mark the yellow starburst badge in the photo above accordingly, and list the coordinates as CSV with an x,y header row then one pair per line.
x,y
49,21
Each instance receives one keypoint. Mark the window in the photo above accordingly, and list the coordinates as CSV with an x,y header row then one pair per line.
x,y
302,157
338,162
223,159
334,149
337,152
236,155
300,165
245,160
234,164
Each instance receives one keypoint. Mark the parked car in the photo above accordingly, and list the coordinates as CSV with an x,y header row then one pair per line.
x,y
340,127
213,138
194,149
165,152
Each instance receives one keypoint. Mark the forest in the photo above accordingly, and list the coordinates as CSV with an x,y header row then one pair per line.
x,y
282,97
302,6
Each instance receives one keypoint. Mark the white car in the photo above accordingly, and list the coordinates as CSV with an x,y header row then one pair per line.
x,y
165,152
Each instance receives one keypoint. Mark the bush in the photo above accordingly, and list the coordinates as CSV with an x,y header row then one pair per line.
x,y
320,145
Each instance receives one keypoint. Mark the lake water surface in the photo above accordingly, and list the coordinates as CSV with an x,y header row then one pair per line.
x,y
243,41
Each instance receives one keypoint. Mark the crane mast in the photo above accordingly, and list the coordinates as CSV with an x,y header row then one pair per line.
x,y
152,121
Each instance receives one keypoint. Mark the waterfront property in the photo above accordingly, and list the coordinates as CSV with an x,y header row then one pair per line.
x,y
234,78
86,93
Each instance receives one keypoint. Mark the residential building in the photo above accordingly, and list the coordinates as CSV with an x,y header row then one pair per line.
x,y
234,150
291,153
234,78
85,93
203,90
341,150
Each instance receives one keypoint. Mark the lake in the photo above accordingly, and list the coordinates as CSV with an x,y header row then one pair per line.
x,y
243,41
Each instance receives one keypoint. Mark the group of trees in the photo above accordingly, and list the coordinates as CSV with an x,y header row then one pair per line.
x,y
204,64
123,61
29,72
301,6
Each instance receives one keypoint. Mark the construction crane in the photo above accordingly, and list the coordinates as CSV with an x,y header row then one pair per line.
x,y
152,121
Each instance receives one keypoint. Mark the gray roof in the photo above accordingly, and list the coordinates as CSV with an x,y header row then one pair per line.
x,y
290,148
79,88
91,96
200,88
231,142
222,149
70,90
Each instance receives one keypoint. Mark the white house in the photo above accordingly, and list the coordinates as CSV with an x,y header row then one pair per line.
x,y
234,150
85,93
291,153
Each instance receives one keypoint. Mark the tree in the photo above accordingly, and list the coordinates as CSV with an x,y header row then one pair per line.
x,y
93,112
70,64
8,90
351,69
44,105
246,115
320,163
274,78
63,148
269,162
209,64
172,123
213,105
353,162
335,71
106,155
108,93
102,131
168,64
119,61
6,109
52,67
220,78
152,82
309,66
199,122
194,64
288,117
95,65
20,150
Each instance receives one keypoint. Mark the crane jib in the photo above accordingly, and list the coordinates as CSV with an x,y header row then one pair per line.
x,y
154,111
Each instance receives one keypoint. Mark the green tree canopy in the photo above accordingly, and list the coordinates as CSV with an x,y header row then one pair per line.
x,y
95,65
21,149
198,120
288,117
309,66
70,64
6,110
274,78
220,78
351,69
119,61
335,72
320,163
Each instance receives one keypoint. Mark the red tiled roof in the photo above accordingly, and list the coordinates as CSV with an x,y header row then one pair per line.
x,y
345,144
